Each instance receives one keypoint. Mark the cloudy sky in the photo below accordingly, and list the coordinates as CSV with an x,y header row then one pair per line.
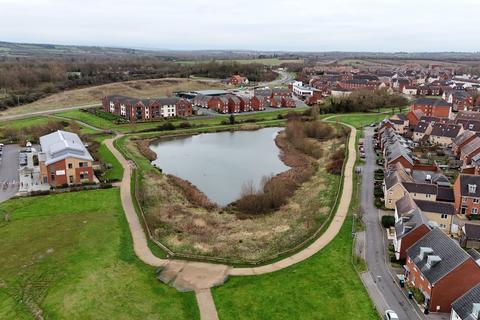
x,y
301,25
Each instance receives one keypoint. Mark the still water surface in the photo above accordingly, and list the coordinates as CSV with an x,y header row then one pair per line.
x,y
219,164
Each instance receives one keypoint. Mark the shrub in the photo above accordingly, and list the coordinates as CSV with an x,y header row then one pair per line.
x,y
184,125
166,126
388,221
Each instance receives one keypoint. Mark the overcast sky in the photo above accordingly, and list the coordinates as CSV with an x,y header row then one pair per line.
x,y
302,25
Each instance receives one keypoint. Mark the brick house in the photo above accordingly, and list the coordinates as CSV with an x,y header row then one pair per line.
x,y
467,194
441,213
414,116
461,140
135,109
470,150
410,226
258,103
237,80
467,307
433,107
421,130
288,102
64,160
276,102
234,104
281,92
441,270
219,104
443,134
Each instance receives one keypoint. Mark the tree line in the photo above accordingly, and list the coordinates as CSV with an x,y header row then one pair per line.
x,y
24,80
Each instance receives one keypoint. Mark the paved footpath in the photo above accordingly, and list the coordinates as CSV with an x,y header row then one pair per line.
x,y
200,277
330,233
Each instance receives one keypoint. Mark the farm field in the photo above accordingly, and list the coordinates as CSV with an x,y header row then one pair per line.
x,y
93,95
84,267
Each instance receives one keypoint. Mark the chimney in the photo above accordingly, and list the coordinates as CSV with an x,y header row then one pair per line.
x,y
424,251
433,260
472,188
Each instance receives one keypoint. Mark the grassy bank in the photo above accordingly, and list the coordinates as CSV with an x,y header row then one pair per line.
x,y
83,267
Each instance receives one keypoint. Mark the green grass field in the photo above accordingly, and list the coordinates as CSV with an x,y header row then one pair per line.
x,y
23,123
325,286
273,62
101,123
114,173
359,120
70,255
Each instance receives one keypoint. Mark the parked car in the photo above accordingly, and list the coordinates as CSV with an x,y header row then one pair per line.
x,y
390,315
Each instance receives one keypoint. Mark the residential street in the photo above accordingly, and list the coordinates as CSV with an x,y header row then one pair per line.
x,y
381,285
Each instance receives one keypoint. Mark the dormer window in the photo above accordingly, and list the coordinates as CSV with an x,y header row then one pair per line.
x,y
472,188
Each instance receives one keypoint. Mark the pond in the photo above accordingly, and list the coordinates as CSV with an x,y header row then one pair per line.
x,y
220,164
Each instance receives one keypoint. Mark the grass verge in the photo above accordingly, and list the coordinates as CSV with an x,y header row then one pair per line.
x,y
84,266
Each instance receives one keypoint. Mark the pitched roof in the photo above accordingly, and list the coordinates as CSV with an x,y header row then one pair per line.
x,y
465,181
436,206
472,231
463,137
421,127
60,145
405,205
463,306
468,115
449,251
445,130
409,222
445,194
425,188
432,102
471,146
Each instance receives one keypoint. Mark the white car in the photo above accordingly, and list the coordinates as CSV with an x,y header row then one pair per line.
x,y
390,315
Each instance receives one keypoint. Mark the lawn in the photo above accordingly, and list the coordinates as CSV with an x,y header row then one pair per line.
x,y
101,123
325,286
70,255
24,123
115,173
359,120
88,118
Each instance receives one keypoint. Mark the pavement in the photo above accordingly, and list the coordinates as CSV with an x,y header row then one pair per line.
x,y
380,282
328,235
9,177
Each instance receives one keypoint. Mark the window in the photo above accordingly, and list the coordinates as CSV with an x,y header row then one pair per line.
x,y
476,200
429,195
444,216
52,177
80,164
442,226
389,201
83,175
70,178
464,199
70,165
474,210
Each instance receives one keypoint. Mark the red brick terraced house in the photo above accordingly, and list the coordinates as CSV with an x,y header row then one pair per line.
x,y
258,103
470,150
64,160
441,270
433,107
218,103
234,104
237,80
135,109
467,194
410,226
463,139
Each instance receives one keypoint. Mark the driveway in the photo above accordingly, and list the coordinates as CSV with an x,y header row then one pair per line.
x,y
380,283
9,172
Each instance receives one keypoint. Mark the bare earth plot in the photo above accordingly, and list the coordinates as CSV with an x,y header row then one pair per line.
x,y
92,95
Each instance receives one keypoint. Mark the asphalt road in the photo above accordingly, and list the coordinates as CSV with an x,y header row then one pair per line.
x,y
375,251
9,172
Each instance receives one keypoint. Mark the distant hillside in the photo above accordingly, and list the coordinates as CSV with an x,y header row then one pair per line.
x,y
52,50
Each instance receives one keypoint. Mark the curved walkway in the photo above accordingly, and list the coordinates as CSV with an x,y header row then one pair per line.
x,y
330,233
200,277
